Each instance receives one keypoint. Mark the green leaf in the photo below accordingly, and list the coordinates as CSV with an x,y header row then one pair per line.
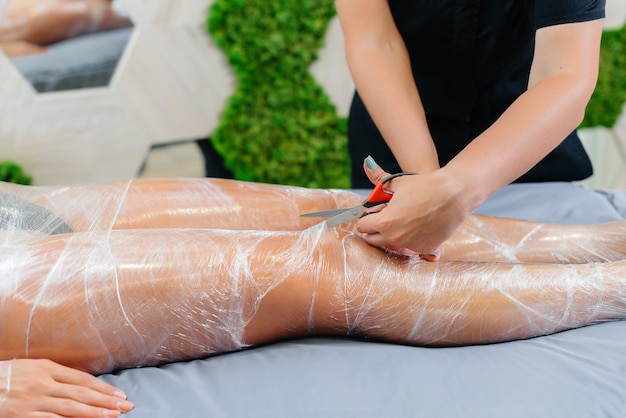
x,y
12,173
279,126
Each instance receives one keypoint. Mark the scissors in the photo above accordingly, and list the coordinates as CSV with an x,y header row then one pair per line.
x,y
379,196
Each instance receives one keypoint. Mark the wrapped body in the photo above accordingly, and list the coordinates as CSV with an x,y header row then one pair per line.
x,y
145,272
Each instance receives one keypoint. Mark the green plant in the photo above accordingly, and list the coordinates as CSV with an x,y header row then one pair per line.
x,y
13,173
607,102
279,126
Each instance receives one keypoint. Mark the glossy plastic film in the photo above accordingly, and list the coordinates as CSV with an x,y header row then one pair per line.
x,y
146,272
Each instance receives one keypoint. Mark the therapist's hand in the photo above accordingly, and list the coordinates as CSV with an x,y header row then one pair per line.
x,y
38,388
424,212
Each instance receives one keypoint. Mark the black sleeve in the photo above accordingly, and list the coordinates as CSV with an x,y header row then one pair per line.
x,y
556,12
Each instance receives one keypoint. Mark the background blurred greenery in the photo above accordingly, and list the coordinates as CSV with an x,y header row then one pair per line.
x,y
13,173
279,126
608,100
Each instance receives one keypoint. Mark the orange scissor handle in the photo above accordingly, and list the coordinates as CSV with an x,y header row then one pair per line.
x,y
379,195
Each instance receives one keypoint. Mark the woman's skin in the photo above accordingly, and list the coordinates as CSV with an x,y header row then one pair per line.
x,y
42,388
233,205
107,300
163,270
28,26
429,208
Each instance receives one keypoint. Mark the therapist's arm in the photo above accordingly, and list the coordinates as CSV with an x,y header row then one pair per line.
x,y
427,209
381,70
563,77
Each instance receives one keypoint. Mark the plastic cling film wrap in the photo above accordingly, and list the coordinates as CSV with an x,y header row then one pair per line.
x,y
462,303
497,239
163,204
109,276
149,236
125,298
5,380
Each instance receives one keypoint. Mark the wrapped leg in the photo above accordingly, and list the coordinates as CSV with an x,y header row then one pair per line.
x,y
486,238
234,205
459,303
100,301
181,203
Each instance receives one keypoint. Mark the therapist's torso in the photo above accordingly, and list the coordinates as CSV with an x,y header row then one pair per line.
x,y
471,60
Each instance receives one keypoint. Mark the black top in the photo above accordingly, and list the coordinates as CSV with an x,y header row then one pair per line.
x,y
471,59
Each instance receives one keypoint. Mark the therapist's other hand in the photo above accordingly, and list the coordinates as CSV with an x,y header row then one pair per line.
x,y
421,216
38,388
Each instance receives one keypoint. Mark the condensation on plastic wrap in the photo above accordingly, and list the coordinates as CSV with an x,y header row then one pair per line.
x,y
462,303
145,272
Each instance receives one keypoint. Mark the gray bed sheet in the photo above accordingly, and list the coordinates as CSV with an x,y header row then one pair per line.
x,y
576,373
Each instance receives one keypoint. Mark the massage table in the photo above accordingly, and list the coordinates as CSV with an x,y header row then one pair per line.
x,y
576,373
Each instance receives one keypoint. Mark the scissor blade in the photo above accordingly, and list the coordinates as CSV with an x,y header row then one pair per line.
x,y
325,213
347,216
